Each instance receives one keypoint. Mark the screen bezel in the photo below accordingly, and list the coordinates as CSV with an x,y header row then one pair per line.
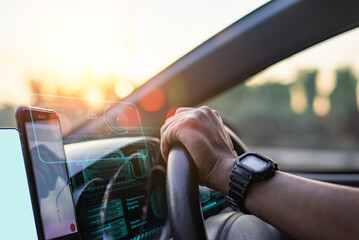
x,y
24,115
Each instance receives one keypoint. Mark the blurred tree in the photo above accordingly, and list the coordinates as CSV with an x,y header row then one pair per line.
x,y
343,99
308,79
273,97
344,109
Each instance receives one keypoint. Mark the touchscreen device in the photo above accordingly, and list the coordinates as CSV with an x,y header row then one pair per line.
x,y
17,220
47,173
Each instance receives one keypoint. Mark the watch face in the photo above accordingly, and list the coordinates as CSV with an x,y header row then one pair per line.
x,y
255,163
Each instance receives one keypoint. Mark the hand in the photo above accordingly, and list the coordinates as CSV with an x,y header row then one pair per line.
x,y
203,134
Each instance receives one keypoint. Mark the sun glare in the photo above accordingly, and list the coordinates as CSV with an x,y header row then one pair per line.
x,y
119,44
94,97
123,88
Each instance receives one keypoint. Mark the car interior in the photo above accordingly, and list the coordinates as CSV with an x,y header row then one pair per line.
x,y
123,189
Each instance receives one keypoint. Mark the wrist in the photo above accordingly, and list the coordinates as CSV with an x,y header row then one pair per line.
x,y
220,178
259,189
250,168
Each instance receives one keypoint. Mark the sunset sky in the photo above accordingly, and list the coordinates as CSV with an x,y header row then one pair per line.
x,y
84,44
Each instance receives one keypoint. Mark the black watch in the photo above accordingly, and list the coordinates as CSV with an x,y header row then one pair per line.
x,y
249,167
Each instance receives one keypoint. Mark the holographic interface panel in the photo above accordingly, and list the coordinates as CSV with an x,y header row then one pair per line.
x,y
117,172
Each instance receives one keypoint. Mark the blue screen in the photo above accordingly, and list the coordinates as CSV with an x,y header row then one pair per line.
x,y
16,219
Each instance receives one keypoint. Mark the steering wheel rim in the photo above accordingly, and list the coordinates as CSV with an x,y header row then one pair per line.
x,y
184,207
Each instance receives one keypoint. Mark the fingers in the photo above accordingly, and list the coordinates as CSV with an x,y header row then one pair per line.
x,y
181,112
182,121
210,113
194,119
183,109
203,134
168,138
216,113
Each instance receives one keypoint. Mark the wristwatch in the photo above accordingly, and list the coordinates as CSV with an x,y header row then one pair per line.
x,y
249,167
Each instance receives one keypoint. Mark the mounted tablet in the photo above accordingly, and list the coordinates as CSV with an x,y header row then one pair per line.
x,y
17,220
46,169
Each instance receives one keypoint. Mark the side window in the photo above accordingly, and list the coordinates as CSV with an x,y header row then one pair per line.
x,y
303,111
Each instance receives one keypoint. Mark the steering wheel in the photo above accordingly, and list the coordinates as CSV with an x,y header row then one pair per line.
x,y
184,209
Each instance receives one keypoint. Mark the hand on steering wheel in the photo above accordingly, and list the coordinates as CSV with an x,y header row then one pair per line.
x,y
203,134
199,134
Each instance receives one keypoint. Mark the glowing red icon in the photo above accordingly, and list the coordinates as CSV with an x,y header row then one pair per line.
x,y
73,227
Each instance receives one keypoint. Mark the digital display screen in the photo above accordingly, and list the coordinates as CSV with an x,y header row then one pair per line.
x,y
52,183
254,163
122,198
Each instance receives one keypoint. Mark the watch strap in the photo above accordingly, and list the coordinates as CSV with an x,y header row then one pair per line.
x,y
238,186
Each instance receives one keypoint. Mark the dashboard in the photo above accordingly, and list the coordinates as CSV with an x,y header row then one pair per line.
x,y
119,188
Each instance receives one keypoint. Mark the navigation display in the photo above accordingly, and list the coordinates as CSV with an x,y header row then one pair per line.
x,y
52,182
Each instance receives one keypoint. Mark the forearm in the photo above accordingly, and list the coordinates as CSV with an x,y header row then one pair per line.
x,y
303,208
306,209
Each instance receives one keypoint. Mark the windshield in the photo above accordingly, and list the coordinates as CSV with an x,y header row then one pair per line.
x,y
99,50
